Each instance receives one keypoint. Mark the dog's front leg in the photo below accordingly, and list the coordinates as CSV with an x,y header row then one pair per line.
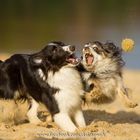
x,y
64,121
32,112
79,118
124,96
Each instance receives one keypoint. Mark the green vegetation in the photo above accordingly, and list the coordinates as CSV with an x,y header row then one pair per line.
x,y
29,24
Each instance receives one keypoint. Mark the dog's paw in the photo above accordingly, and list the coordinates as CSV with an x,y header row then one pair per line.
x,y
43,124
48,125
131,104
49,118
86,105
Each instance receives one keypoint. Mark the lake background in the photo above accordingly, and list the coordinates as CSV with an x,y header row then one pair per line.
x,y
27,25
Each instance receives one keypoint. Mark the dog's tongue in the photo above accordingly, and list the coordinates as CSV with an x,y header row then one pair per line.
x,y
90,60
72,60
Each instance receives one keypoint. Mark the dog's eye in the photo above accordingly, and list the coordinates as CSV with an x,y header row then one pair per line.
x,y
96,49
54,49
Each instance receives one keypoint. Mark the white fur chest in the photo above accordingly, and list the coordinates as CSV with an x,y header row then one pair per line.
x,y
68,81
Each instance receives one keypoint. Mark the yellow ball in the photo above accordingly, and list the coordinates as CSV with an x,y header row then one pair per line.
x,y
127,45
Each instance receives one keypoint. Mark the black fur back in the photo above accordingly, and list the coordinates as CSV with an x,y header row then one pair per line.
x,y
18,74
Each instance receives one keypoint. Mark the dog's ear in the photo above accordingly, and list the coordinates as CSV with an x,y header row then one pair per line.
x,y
36,60
109,47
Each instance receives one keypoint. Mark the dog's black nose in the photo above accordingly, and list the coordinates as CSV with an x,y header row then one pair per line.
x,y
72,48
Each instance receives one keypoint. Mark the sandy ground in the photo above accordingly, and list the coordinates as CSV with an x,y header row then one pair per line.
x,y
104,122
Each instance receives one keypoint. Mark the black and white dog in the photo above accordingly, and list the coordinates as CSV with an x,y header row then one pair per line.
x,y
19,79
49,77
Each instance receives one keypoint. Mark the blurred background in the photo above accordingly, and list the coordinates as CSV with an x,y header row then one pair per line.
x,y
27,25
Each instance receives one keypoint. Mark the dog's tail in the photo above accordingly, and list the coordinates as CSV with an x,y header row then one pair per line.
x,y
1,62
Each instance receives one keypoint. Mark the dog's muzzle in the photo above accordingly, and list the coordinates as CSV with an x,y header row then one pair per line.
x,y
71,50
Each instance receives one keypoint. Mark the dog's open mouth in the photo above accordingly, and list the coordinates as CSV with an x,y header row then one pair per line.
x,y
89,58
72,59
